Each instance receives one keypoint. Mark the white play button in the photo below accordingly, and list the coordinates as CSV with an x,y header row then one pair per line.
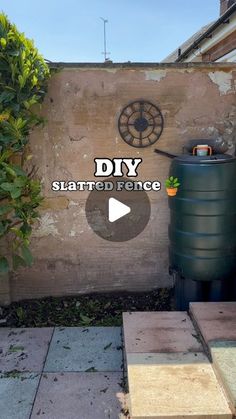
x,y
116,210
117,215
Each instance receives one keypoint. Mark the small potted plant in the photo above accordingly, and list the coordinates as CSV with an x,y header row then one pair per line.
x,y
172,185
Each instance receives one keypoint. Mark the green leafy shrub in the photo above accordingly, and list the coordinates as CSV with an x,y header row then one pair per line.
x,y
172,182
23,82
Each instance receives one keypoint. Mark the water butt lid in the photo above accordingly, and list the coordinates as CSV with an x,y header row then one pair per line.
x,y
214,159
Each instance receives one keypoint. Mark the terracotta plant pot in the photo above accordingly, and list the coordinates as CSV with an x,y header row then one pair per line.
x,y
171,191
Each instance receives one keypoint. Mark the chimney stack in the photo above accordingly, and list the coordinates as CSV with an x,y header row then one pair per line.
x,y
225,5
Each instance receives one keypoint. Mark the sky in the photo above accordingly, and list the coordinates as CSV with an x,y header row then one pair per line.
x,y
137,30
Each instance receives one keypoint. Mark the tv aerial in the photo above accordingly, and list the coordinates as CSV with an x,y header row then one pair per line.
x,y
105,53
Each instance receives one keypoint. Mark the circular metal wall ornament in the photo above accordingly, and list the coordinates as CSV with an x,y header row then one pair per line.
x,y
140,123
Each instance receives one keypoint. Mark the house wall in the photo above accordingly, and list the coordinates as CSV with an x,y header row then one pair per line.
x,y
225,46
218,38
82,108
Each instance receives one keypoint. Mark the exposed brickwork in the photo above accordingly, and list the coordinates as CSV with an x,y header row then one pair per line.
x,y
225,46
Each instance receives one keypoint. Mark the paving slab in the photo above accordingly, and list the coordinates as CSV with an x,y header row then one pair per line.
x,y
17,395
224,361
24,349
216,321
174,386
159,332
79,395
85,349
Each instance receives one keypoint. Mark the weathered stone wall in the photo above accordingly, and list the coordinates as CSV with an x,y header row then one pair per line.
x,y
82,109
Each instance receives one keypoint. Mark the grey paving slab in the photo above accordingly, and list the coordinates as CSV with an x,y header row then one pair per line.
x,y
224,360
160,331
17,395
24,349
79,396
216,321
85,349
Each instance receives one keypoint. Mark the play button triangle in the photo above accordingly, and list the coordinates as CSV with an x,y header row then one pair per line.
x,y
117,215
116,210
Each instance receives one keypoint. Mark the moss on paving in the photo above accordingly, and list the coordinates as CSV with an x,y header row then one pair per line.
x,y
84,310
